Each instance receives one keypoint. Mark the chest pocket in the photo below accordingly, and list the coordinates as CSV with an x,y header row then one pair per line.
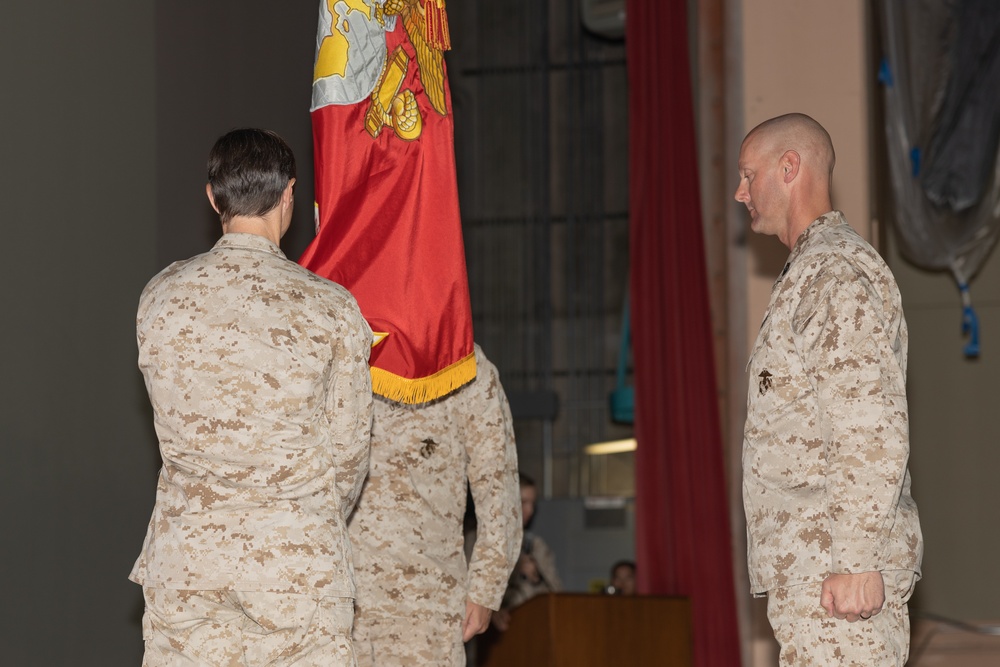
x,y
426,448
776,381
778,435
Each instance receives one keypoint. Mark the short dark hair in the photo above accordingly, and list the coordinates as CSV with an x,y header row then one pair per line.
x,y
248,170
623,563
525,481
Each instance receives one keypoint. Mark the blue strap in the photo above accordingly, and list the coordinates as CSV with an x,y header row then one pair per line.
x,y
885,73
970,323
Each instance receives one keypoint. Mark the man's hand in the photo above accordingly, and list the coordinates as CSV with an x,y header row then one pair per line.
x,y
852,597
477,619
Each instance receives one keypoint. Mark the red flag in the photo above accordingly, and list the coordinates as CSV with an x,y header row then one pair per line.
x,y
387,216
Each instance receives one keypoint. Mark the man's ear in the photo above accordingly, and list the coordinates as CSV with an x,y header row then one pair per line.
x,y
790,163
211,197
287,197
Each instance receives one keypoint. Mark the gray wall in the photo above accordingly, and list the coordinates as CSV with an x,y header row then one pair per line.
x,y
79,459
955,457
109,110
587,536
220,65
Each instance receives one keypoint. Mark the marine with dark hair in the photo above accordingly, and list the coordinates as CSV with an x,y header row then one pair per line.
x,y
535,571
258,378
248,170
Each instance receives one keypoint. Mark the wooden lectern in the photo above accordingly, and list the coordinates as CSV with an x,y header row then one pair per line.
x,y
578,630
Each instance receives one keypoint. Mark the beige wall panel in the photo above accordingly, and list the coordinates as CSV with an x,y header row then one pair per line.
x,y
954,457
808,56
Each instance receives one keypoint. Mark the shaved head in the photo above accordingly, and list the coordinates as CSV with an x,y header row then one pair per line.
x,y
786,174
800,133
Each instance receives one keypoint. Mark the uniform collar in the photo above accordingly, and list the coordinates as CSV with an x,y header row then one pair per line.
x,y
823,222
245,241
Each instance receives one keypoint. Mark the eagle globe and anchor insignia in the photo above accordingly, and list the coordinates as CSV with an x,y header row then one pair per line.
x,y
766,381
352,61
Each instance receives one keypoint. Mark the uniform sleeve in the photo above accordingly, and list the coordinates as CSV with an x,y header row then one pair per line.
x,y
846,339
492,471
349,407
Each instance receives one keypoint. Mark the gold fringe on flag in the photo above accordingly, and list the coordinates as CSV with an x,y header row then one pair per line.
x,y
423,390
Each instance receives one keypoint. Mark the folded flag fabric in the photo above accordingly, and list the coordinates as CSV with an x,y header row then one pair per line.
x,y
387,216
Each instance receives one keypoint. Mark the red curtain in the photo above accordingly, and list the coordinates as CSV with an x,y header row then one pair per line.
x,y
683,543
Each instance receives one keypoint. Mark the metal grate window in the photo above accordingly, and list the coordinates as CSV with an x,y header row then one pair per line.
x,y
541,140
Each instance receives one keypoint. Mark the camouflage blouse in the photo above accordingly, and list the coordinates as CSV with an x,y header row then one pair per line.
x,y
825,482
258,378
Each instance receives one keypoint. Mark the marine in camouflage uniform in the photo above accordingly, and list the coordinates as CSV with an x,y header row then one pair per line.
x,y
414,585
535,571
258,378
833,534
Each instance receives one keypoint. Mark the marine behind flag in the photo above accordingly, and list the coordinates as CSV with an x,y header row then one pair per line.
x,y
387,215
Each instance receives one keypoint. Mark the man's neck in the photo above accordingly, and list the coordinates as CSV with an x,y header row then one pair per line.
x,y
800,220
268,226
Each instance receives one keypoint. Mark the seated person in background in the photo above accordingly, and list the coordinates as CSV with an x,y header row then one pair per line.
x,y
622,578
535,571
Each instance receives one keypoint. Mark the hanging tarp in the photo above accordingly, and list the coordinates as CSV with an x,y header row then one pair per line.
x,y
941,80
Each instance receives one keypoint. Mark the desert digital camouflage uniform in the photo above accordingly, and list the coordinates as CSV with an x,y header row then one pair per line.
x,y
258,378
809,637
192,628
407,530
825,482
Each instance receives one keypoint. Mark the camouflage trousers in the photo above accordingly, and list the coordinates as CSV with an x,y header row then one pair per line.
x,y
239,629
808,637
427,640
